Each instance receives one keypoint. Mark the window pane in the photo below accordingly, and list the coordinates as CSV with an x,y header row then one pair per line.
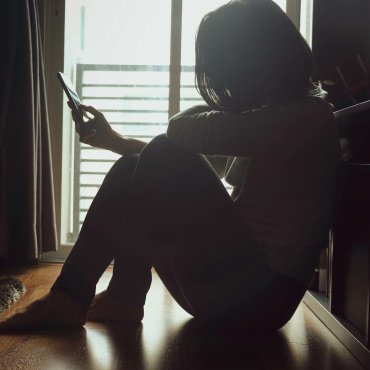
x,y
281,3
117,54
306,20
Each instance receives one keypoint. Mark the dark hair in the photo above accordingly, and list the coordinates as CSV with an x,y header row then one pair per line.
x,y
249,53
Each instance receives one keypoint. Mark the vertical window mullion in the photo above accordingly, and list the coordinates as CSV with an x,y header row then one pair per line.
x,y
293,11
175,58
306,20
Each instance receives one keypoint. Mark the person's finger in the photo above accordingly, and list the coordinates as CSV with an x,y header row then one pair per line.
x,y
90,109
78,128
74,115
87,135
76,120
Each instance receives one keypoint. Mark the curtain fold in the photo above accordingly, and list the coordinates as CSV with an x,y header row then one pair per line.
x,y
27,213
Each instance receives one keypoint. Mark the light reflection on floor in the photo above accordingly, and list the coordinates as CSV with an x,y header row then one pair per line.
x,y
169,339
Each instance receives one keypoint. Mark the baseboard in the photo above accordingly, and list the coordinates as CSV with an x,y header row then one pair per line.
x,y
351,337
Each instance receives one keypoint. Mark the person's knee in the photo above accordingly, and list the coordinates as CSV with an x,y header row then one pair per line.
x,y
126,161
161,150
124,166
160,140
158,147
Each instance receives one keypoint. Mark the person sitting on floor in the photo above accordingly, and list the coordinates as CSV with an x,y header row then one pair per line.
x,y
247,257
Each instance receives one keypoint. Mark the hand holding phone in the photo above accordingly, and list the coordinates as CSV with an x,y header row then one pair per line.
x,y
73,98
83,127
91,125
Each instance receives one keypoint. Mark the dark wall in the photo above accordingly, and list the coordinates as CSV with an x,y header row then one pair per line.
x,y
341,30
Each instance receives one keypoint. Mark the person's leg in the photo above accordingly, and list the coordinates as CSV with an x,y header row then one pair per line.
x,y
272,308
282,300
131,278
102,237
125,296
184,221
102,233
206,258
210,264
198,242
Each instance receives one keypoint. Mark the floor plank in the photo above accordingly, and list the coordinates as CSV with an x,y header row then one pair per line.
x,y
167,339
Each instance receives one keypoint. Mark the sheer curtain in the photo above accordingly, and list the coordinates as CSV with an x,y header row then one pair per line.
x,y
27,214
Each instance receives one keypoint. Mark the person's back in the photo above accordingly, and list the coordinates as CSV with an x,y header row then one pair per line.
x,y
287,196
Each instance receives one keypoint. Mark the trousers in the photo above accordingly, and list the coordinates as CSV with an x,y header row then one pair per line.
x,y
166,208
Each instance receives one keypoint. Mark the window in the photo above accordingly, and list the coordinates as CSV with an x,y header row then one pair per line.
x,y
130,59
306,15
122,69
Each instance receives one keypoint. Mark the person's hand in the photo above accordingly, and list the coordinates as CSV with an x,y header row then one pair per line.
x,y
96,131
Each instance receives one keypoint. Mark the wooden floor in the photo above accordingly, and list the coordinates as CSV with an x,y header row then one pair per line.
x,y
168,339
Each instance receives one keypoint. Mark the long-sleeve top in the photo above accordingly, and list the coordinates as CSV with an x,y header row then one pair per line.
x,y
281,161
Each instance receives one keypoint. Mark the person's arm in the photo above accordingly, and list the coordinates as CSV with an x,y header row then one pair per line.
x,y
219,132
101,135
270,130
123,145
218,162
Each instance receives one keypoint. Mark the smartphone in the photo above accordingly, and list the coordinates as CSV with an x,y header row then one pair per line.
x,y
73,97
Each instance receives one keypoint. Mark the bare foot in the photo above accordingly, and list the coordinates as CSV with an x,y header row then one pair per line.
x,y
105,308
54,310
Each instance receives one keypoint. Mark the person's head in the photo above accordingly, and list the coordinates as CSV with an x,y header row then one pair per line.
x,y
249,53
